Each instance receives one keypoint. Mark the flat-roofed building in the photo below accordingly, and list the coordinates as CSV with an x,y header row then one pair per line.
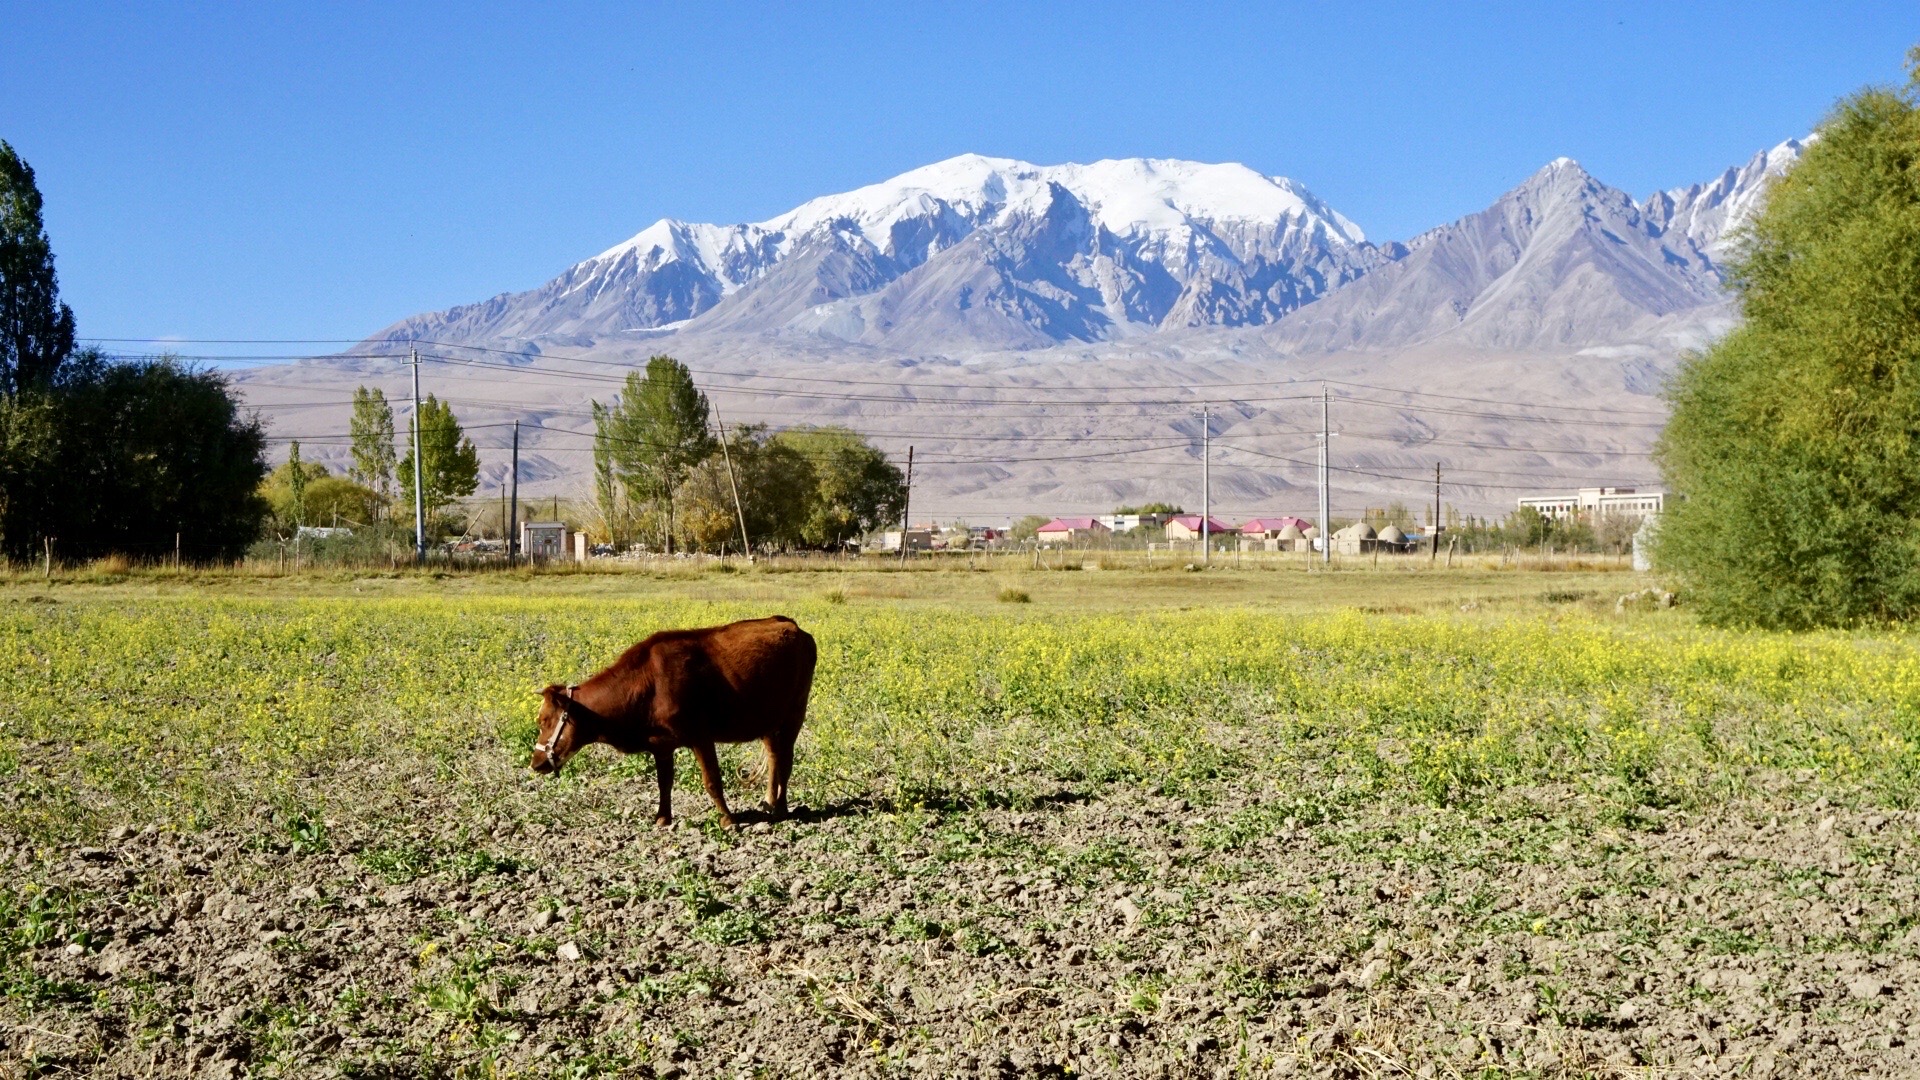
x,y
1596,502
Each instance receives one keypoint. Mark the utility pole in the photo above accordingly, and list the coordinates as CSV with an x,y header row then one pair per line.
x,y
1435,554
745,545
1326,439
419,493
513,500
906,505
1206,485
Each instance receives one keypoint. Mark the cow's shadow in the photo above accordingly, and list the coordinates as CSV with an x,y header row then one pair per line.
x,y
945,803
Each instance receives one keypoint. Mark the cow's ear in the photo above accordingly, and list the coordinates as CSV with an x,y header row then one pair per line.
x,y
550,691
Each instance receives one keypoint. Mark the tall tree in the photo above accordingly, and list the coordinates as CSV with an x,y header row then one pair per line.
x,y
1796,438
36,329
371,430
857,490
297,483
657,432
606,486
449,464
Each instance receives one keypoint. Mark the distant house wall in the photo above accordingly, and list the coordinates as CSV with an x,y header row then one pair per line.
x,y
1187,527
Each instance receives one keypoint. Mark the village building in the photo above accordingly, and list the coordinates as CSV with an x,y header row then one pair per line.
x,y
1356,539
916,540
545,541
1187,527
1270,528
1071,530
1274,534
1121,523
1597,502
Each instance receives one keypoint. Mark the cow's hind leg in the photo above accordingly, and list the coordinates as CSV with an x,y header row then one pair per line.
x,y
663,771
780,767
710,774
772,743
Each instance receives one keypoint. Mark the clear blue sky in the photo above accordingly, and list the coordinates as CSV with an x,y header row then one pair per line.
x,y
317,171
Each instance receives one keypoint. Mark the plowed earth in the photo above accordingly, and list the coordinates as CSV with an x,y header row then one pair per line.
x,y
1112,932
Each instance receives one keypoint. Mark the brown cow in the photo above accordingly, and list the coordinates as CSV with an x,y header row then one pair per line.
x,y
694,688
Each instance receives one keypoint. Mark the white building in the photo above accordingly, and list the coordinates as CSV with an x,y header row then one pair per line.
x,y
916,539
1121,523
545,540
1596,502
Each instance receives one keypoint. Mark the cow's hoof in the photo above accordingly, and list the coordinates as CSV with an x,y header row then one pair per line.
x,y
665,821
727,823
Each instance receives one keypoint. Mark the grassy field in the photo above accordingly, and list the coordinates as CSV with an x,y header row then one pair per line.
x,y
1249,821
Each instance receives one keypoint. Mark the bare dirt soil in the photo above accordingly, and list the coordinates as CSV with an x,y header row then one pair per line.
x,y
486,924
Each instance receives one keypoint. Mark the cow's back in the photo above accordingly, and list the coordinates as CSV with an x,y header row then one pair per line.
x,y
745,679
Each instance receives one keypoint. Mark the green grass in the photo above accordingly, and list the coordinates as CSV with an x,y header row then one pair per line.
x,y
161,700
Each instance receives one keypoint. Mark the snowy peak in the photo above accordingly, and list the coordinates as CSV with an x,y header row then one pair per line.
x,y
1064,252
1562,260
1127,197
1711,214
979,252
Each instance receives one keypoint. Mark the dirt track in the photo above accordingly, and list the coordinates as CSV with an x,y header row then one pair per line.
x,y
1119,933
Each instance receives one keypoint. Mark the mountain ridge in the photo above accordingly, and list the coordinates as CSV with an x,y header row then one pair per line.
x,y
977,253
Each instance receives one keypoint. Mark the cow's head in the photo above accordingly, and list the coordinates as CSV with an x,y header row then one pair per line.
x,y
560,729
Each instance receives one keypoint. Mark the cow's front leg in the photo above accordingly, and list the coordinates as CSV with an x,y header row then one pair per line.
x,y
663,771
710,774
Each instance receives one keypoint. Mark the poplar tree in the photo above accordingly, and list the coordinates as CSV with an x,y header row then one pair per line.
x,y
371,430
36,329
450,466
297,481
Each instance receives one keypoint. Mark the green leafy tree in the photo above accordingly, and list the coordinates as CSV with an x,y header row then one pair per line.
x,y
157,449
106,458
317,499
1527,527
450,466
36,329
656,431
777,485
1796,438
606,479
297,484
856,488
1027,528
371,431
1150,508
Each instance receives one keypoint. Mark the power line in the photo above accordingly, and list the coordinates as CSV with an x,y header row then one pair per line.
x,y
1490,401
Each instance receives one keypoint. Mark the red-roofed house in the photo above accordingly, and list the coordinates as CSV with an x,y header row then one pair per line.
x,y
1271,528
1187,527
1067,530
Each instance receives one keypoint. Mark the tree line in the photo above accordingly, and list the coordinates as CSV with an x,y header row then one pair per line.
x,y
669,477
148,458
377,489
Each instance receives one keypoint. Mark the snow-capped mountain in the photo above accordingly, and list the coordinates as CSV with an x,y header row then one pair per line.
x,y
1561,261
978,254
1711,214
970,251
